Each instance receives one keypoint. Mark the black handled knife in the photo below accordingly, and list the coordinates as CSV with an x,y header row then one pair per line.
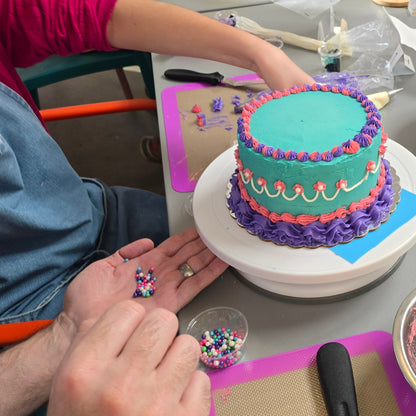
x,y
213,78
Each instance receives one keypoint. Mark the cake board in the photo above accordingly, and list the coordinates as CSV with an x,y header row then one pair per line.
x,y
298,273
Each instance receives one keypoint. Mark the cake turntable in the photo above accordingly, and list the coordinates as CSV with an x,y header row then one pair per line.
x,y
297,273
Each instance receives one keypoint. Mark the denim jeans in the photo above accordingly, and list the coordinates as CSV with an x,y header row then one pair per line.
x,y
52,222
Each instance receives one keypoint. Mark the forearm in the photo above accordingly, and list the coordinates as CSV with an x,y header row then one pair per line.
x,y
27,369
164,28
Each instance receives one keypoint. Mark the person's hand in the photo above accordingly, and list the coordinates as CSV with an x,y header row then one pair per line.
x,y
112,279
131,364
278,71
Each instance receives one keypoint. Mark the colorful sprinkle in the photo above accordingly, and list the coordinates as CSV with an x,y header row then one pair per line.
x,y
145,283
220,347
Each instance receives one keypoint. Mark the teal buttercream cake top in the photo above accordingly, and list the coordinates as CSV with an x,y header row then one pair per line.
x,y
310,121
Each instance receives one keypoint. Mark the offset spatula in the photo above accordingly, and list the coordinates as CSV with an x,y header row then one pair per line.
x,y
214,78
337,380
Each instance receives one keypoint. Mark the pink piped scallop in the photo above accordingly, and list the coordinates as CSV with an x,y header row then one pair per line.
x,y
244,194
354,147
246,118
300,154
277,94
335,89
286,93
254,205
245,114
264,211
324,218
341,212
314,87
345,91
274,217
305,219
324,88
313,155
286,217
249,108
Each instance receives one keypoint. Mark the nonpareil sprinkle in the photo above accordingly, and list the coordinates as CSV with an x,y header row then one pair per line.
x,y
220,347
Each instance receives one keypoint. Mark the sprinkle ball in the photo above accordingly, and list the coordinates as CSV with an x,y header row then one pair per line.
x,y
145,283
220,347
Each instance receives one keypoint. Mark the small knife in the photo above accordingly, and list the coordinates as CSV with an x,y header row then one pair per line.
x,y
337,380
214,78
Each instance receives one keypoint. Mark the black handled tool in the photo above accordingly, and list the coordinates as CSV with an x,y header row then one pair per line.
x,y
337,380
213,78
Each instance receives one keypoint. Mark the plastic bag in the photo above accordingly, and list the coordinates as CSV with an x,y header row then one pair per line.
x,y
373,53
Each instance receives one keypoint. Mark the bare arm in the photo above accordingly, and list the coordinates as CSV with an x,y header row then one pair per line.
x,y
26,370
164,28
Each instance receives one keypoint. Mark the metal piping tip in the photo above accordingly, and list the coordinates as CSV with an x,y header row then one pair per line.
x,y
395,91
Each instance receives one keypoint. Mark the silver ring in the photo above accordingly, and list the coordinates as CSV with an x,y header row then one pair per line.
x,y
186,270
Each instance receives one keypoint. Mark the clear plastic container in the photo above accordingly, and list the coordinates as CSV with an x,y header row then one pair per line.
x,y
230,324
330,58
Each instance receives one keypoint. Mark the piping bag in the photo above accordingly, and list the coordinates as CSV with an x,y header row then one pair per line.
x,y
337,380
380,99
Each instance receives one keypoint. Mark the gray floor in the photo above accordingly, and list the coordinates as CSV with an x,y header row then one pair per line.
x,y
105,146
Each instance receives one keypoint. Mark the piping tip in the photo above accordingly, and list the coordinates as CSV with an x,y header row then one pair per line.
x,y
392,92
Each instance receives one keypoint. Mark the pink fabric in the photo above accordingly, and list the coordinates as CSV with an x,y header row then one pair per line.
x,y
32,30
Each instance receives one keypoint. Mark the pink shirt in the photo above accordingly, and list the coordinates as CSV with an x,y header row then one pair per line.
x,y
32,30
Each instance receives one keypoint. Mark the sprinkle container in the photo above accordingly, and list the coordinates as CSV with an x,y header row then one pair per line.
x,y
221,332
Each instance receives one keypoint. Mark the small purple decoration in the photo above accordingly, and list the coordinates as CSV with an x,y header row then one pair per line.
x,y
217,104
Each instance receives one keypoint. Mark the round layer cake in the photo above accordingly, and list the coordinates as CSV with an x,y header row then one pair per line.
x,y
310,167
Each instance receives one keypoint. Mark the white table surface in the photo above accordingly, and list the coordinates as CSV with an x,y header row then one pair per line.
x,y
278,325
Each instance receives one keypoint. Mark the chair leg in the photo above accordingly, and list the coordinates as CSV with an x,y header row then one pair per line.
x,y
35,95
124,83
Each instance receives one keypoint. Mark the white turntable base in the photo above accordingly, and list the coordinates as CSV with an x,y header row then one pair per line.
x,y
295,272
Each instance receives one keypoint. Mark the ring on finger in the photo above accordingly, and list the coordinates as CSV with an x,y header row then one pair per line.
x,y
186,270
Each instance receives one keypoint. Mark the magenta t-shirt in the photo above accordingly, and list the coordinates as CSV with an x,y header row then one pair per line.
x,y
32,30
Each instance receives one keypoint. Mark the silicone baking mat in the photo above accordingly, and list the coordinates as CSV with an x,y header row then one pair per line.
x,y
288,384
191,148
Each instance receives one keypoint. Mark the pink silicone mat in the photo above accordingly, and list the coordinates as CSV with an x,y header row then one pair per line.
x,y
288,384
